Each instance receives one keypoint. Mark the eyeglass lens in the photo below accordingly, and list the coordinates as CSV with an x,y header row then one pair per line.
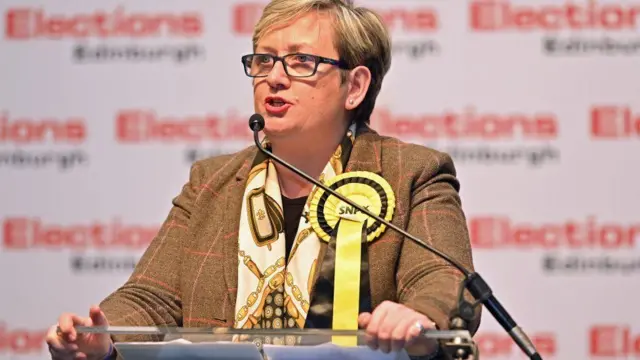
x,y
296,64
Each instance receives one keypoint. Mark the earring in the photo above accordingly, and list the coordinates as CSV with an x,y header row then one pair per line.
x,y
351,101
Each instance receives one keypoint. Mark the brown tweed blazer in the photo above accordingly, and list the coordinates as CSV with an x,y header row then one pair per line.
x,y
188,275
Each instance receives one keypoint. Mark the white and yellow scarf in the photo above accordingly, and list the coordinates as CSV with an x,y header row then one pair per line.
x,y
272,292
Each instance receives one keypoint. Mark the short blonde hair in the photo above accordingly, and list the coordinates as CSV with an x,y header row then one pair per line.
x,y
361,38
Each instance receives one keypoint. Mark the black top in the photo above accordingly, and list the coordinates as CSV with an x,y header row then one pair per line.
x,y
292,210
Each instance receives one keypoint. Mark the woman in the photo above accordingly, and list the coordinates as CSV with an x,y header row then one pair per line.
x,y
244,245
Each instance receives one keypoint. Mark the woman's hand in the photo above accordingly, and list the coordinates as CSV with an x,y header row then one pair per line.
x,y
68,344
393,327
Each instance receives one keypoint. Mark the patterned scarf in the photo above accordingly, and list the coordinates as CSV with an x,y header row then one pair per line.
x,y
274,293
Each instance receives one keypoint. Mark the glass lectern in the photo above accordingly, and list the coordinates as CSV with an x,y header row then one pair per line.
x,y
171,343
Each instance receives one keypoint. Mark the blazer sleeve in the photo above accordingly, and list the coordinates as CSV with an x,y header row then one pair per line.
x,y
152,296
427,283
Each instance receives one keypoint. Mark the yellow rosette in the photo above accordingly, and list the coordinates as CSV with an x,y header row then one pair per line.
x,y
329,215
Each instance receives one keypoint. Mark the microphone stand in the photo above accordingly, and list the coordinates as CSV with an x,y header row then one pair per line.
x,y
473,282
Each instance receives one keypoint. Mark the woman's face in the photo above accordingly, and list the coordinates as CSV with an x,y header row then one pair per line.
x,y
304,108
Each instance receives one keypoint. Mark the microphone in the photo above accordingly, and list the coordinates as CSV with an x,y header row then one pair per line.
x,y
473,282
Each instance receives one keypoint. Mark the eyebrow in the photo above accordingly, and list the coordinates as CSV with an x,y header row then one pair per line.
x,y
291,48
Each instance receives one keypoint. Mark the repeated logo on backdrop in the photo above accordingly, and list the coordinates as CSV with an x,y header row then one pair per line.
x,y
617,341
596,27
205,134
414,30
501,346
470,135
93,246
614,122
111,26
587,246
20,341
42,141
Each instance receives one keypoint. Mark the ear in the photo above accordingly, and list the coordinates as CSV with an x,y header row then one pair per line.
x,y
358,82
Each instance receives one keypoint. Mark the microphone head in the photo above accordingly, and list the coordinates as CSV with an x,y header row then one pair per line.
x,y
256,122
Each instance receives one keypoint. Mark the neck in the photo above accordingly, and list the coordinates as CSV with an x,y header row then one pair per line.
x,y
310,157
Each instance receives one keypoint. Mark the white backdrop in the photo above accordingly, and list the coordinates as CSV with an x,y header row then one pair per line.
x,y
104,105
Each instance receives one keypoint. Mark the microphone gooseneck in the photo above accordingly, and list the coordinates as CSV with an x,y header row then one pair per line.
x,y
473,282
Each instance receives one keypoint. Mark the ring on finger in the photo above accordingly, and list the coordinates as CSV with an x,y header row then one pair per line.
x,y
420,327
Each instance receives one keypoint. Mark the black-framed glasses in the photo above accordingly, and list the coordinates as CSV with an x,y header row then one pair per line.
x,y
295,65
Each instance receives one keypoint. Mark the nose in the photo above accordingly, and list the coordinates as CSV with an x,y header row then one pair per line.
x,y
277,77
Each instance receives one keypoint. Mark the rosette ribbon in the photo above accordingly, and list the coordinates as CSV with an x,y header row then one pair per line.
x,y
342,290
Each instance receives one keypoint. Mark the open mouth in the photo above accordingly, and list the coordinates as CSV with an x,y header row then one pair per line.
x,y
276,106
276,102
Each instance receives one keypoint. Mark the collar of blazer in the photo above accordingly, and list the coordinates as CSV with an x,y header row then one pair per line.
x,y
365,155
